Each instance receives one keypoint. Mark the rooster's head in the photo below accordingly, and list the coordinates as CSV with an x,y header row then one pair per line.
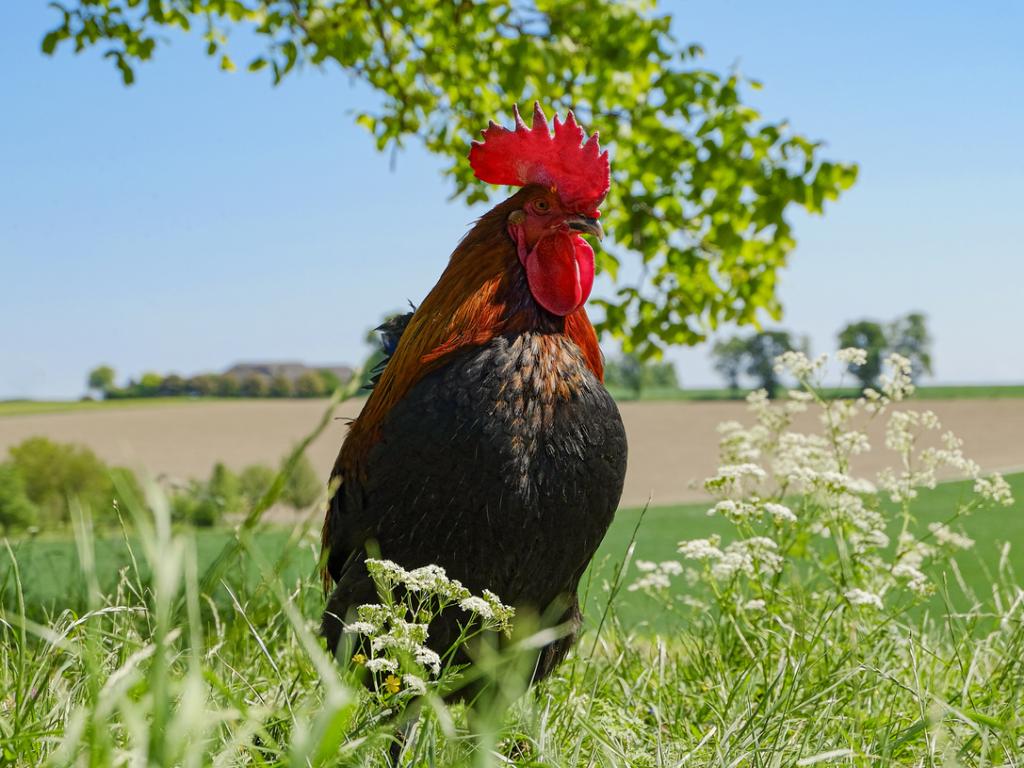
x,y
565,177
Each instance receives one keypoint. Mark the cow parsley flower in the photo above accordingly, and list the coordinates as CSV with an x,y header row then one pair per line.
x,y
656,577
947,537
651,582
428,659
852,356
361,628
414,684
700,549
381,664
733,510
898,382
863,597
780,512
994,489
917,582
731,479
799,365
478,606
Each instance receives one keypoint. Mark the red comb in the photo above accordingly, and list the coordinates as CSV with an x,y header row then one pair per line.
x,y
578,170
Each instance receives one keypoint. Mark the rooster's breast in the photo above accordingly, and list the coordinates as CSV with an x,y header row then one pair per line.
x,y
504,466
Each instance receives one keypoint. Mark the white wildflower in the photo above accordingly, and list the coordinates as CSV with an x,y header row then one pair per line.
x,y
700,549
656,576
754,605
852,356
731,479
428,577
853,443
414,684
762,551
412,631
917,582
798,364
731,563
501,614
361,628
780,512
733,510
897,383
478,606
651,582
386,570
376,615
428,659
862,597
382,665
994,489
947,537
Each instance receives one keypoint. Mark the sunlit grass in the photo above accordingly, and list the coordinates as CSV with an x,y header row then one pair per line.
x,y
171,647
155,671
954,392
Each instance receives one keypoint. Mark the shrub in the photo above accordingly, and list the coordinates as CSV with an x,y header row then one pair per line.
x,y
203,385
254,481
280,386
15,508
254,385
53,473
303,486
226,386
310,384
206,503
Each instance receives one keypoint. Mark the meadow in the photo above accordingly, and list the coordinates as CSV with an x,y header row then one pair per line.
x,y
811,618
51,571
652,394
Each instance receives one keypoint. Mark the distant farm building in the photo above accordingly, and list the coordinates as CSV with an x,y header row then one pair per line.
x,y
288,370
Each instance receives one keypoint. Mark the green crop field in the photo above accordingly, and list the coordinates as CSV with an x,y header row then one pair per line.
x,y
51,578
952,392
32,407
956,392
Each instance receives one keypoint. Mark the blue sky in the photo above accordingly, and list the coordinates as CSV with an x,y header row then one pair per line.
x,y
201,218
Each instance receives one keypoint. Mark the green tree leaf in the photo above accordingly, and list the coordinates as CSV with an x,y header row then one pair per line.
x,y
702,186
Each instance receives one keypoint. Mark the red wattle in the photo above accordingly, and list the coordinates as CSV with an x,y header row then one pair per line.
x,y
560,271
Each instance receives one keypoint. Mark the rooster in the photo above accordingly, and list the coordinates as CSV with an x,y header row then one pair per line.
x,y
489,444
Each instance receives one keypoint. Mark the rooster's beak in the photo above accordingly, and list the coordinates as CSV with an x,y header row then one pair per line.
x,y
586,225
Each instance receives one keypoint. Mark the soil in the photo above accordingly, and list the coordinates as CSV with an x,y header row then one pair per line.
x,y
672,444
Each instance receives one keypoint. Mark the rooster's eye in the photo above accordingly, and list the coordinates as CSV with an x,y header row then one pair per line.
x,y
541,205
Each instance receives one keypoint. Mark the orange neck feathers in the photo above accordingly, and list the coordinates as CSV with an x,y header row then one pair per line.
x,y
481,294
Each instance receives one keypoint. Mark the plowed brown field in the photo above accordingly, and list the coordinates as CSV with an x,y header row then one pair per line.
x,y
672,444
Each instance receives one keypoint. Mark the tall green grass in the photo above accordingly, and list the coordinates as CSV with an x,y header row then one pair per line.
x,y
192,659
158,671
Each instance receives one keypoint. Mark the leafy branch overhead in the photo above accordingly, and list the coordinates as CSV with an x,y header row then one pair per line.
x,y
701,183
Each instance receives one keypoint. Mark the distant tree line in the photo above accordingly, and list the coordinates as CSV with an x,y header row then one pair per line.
x,y
41,479
752,356
633,375
316,382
